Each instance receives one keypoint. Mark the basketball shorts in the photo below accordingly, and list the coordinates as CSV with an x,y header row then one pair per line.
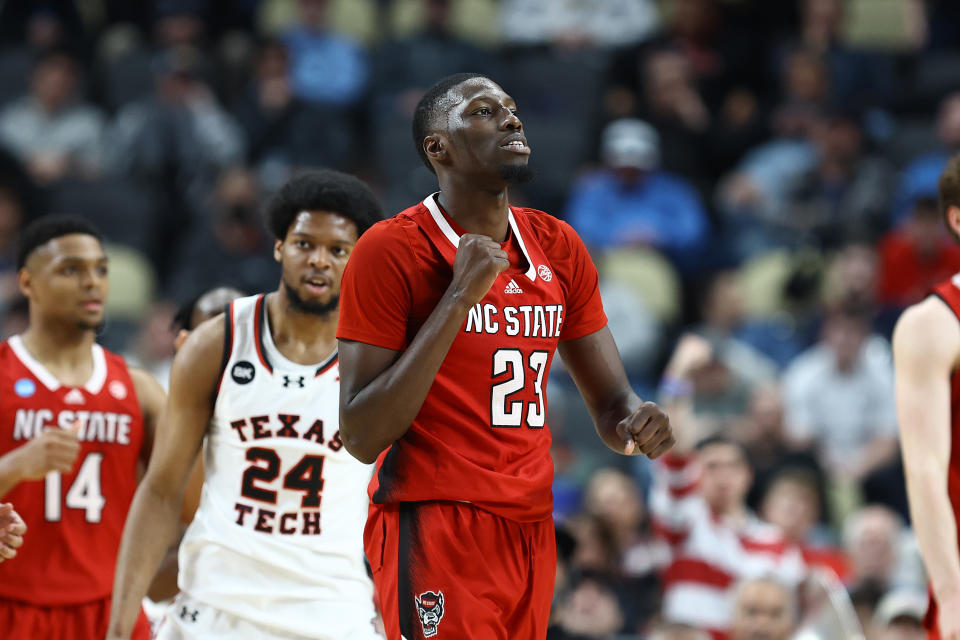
x,y
22,621
188,619
451,570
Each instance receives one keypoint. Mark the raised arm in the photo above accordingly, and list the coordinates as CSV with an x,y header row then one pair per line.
x,y
624,422
382,390
926,343
154,518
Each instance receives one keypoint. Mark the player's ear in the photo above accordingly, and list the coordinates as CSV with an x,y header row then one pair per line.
x,y
24,281
436,148
277,250
953,219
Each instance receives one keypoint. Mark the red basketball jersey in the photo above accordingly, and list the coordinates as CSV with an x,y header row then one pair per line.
x,y
75,520
481,435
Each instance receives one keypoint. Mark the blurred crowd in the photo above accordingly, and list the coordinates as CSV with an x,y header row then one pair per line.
x,y
756,180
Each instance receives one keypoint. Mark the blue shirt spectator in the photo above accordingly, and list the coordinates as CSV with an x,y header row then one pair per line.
x,y
920,177
325,68
632,202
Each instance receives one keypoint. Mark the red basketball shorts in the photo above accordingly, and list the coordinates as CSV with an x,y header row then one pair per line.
x,y
22,621
450,570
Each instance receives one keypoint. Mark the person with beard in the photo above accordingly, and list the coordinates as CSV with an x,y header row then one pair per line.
x,y
451,312
76,428
274,550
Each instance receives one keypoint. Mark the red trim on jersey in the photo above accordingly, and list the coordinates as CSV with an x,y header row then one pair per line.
x,y
326,367
696,571
227,346
258,332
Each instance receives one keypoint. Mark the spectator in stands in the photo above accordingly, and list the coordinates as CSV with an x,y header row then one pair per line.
x,y
614,499
326,68
763,435
881,551
699,506
846,191
633,202
53,133
284,131
12,218
179,134
855,76
754,349
606,24
839,398
899,616
232,247
916,256
763,609
794,502
920,177
590,610
678,631
405,68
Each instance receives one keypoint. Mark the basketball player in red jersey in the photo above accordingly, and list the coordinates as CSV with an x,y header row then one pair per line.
x,y
12,528
451,312
926,352
75,424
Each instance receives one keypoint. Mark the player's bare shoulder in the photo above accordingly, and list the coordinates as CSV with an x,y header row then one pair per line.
x,y
199,361
927,329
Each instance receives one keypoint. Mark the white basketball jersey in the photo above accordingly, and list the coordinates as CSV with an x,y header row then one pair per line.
x,y
278,536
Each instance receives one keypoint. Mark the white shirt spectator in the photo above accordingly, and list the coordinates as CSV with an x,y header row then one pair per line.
x,y
841,411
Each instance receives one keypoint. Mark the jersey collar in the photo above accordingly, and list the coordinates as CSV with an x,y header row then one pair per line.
x,y
40,372
431,204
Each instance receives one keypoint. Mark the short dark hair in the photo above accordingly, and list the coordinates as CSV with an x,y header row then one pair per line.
x,y
428,109
949,189
46,228
323,190
720,439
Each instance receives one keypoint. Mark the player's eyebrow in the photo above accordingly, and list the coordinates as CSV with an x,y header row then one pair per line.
x,y
79,259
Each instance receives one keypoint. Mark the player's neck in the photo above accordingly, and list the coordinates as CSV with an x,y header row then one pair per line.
x,y
304,338
64,351
477,210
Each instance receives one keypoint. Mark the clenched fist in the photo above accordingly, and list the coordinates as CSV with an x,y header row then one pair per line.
x,y
647,430
478,263
54,449
12,529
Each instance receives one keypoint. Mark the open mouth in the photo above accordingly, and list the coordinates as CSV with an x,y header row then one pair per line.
x,y
517,146
317,286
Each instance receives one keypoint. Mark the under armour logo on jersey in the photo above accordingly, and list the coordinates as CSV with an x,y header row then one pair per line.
x,y
299,381
189,613
513,287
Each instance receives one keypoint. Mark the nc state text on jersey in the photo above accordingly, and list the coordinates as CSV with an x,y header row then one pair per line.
x,y
529,320
95,426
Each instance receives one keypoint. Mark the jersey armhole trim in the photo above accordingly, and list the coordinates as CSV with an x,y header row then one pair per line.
x,y
259,319
227,346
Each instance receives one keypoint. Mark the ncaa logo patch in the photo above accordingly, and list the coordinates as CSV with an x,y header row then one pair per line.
x,y
24,387
242,372
430,611
544,272
117,389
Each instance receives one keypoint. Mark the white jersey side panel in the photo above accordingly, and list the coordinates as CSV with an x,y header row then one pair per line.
x,y
278,536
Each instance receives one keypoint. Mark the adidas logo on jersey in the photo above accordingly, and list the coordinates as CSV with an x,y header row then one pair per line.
x,y
513,287
74,396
